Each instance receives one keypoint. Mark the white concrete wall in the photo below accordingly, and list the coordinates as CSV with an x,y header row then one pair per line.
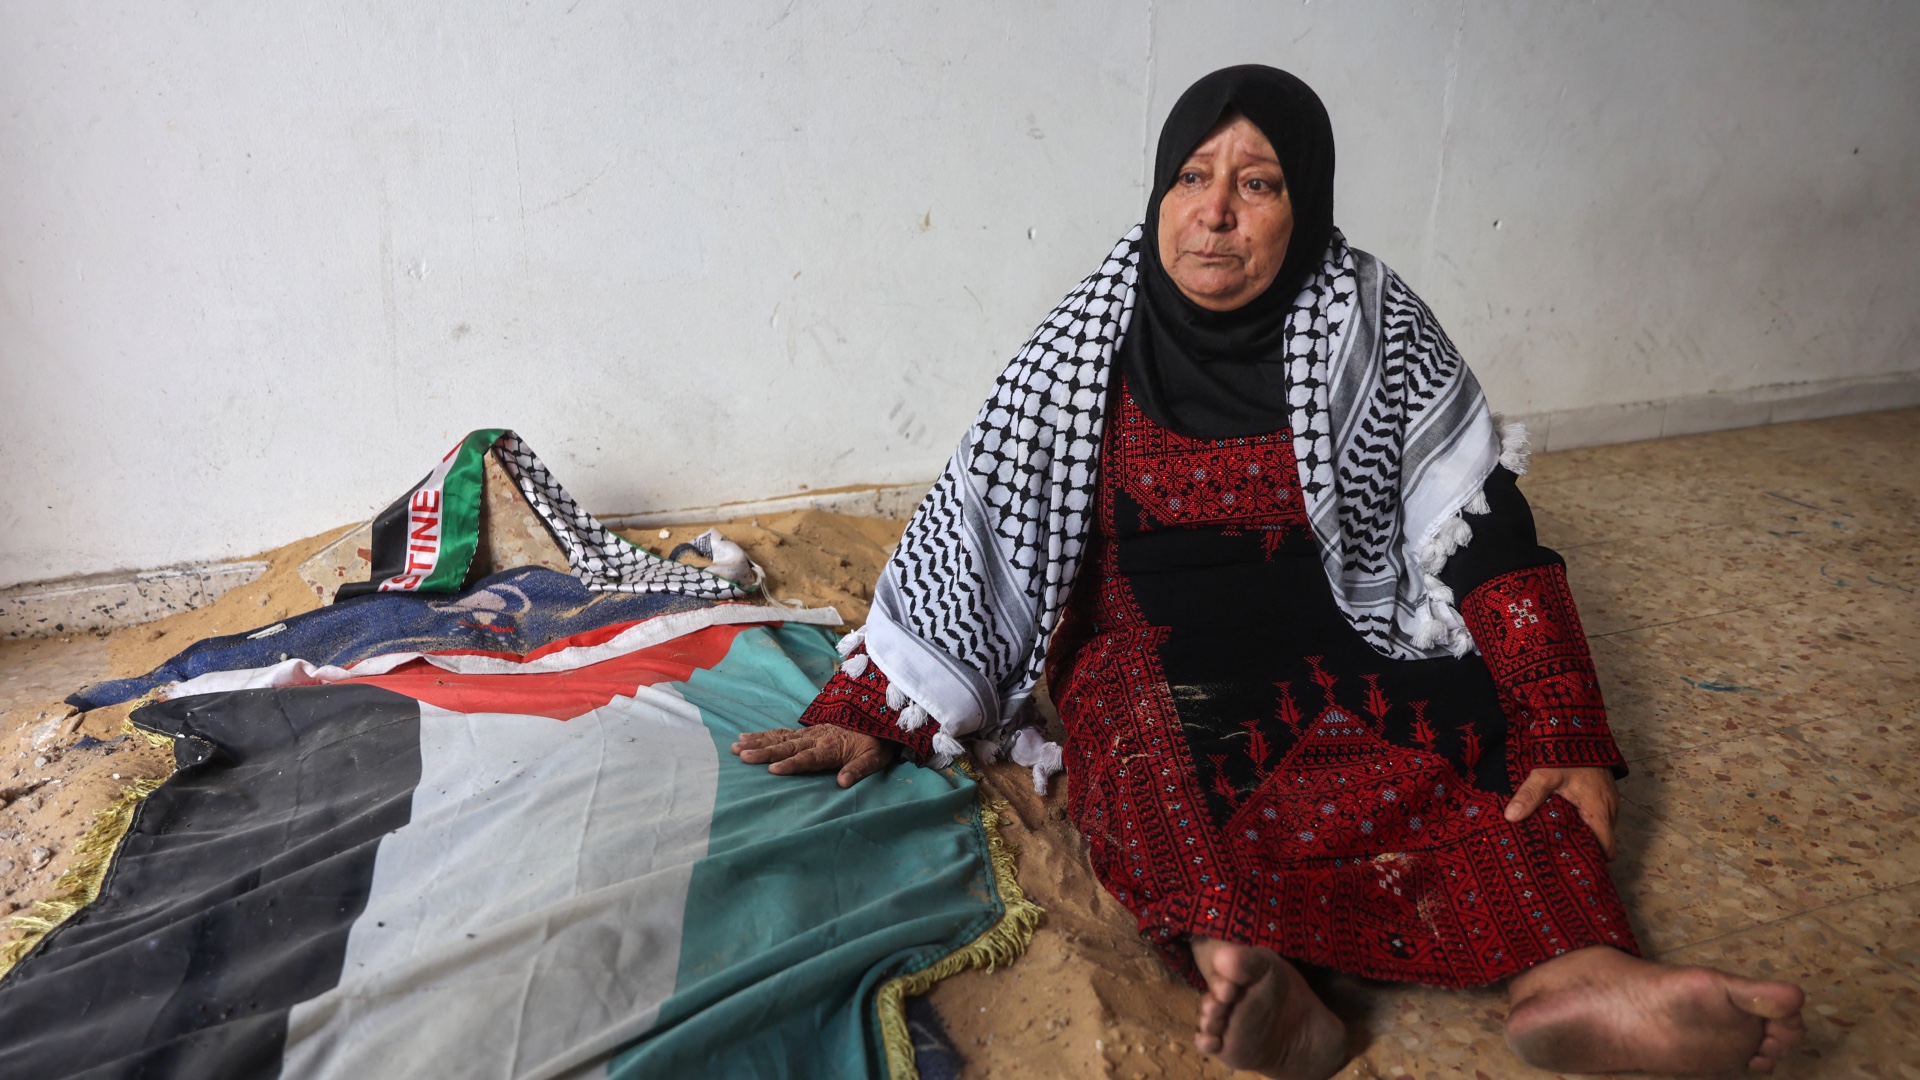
x,y
261,263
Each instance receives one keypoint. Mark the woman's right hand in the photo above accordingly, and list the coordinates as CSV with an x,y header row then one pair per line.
x,y
790,751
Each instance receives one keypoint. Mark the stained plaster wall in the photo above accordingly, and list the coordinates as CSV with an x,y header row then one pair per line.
x,y
260,264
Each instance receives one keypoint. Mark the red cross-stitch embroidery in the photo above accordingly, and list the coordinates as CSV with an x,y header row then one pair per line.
x,y
1245,483
1529,633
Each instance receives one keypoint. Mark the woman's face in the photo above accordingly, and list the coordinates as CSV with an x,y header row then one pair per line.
x,y
1225,223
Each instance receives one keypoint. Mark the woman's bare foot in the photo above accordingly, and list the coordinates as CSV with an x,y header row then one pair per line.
x,y
1259,1014
1600,1010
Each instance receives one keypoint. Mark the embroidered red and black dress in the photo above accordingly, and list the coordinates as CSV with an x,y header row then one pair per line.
x,y
1244,766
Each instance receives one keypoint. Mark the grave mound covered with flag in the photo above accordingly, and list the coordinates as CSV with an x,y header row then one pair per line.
x,y
498,832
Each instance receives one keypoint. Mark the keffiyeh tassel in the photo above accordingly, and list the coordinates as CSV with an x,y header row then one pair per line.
x,y
945,749
1442,624
1515,453
846,645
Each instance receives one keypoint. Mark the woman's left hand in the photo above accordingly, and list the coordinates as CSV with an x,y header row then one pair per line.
x,y
1590,790
822,747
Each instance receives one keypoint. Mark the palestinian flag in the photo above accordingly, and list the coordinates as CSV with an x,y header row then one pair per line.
x,y
484,863
498,833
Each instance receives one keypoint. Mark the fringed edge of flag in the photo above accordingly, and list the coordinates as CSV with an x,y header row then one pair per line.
x,y
158,739
1002,943
80,884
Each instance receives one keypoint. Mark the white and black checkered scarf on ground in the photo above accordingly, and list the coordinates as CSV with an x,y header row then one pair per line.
x,y
1393,437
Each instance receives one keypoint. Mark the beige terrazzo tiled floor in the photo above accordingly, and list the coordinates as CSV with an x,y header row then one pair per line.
x,y
1754,603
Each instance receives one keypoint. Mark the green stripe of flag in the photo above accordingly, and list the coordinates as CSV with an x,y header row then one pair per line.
x,y
460,495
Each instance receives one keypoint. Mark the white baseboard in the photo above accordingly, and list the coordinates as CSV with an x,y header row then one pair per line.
x,y
43,609
1782,403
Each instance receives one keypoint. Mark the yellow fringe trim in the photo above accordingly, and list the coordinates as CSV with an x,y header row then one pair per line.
x,y
1003,943
127,725
93,852
80,885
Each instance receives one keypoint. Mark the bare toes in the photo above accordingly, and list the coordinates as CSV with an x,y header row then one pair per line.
x,y
1213,1016
1773,1000
1776,1042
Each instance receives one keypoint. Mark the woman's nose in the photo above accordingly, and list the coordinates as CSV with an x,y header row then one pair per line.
x,y
1216,209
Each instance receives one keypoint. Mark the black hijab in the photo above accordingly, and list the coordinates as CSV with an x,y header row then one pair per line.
x,y
1217,374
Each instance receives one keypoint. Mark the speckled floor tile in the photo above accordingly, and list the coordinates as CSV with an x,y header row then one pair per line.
x,y
1792,662
1894,425
1571,464
1863,1012
1890,560
1887,924
1893,462
1747,564
1656,704
1876,475
1625,505
1620,588
1678,892
1723,454
1564,534
1384,1019
1881,740
1809,829
1719,453
1807,502
1863,648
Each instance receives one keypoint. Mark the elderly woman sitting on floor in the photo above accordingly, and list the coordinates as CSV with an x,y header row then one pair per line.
x,y
1326,698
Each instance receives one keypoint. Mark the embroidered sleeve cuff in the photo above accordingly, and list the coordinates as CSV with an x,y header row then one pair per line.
x,y
859,703
1529,633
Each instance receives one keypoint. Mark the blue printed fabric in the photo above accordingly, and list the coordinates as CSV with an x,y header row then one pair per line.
x,y
514,611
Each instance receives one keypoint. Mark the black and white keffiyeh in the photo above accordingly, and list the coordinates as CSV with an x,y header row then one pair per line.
x,y
1393,437
601,558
